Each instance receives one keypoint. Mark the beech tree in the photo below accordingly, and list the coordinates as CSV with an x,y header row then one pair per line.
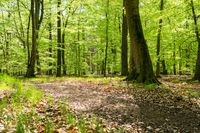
x,y
124,47
84,27
141,68
37,16
158,40
197,71
59,40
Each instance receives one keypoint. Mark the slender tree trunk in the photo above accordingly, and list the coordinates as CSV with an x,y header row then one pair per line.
x,y
158,41
141,68
21,24
63,54
38,61
59,40
79,50
164,67
124,47
180,60
174,58
31,65
39,17
106,50
50,72
197,71
63,42
50,48
27,38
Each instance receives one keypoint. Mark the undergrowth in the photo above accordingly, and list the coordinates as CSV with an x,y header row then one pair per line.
x,y
23,108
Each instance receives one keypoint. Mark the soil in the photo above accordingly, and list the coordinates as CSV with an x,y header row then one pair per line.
x,y
120,104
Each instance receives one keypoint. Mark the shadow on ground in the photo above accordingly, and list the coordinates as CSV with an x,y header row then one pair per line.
x,y
123,108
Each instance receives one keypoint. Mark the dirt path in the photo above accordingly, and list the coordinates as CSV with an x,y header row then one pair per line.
x,y
135,111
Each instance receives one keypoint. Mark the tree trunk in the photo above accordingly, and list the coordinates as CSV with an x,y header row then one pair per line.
x,y
164,67
197,71
31,65
38,61
37,16
106,51
50,47
78,50
174,59
27,38
158,41
63,54
180,60
50,72
141,69
124,47
59,40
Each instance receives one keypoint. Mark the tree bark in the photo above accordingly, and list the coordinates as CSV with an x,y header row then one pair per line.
x,y
124,47
174,58
59,40
164,67
107,26
31,65
197,71
37,16
50,72
158,41
63,54
141,69
180,60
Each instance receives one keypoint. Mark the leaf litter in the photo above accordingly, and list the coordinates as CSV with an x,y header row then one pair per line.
x,y
120,105
73,106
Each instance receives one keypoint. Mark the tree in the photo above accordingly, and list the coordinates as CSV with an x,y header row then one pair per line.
x,y
59,40
107,39
141,68
197,71
124,46
37,15
158,40
50,38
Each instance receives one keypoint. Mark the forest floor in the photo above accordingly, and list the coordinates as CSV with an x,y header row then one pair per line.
x,y
173,106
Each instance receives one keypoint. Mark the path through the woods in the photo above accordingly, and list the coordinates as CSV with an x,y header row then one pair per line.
x,y
122,105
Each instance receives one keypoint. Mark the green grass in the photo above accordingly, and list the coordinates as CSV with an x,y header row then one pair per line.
x,y
176,81
104,80
19,109
192,93
15,103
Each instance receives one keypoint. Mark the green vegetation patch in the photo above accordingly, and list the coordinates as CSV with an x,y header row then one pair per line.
x,y
192,93
26,109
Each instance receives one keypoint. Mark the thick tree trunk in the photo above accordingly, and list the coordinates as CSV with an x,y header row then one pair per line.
x,y
197,71
37,16
124,47
158,41
59,41
141,68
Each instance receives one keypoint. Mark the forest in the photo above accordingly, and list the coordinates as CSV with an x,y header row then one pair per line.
x,y
99,66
